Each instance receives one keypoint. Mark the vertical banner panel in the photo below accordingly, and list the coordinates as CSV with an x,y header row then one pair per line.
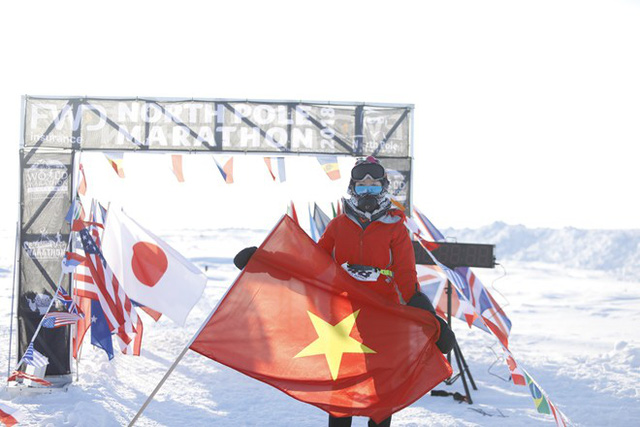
x,y
46,196
386,132
399,175
48,123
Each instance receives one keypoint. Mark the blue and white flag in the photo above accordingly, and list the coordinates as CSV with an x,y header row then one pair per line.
x,y
100,333
34,358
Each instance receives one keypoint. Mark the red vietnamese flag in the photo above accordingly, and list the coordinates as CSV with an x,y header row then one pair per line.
x,y
297,321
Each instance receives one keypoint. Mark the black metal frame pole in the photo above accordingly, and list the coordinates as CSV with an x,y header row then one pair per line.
x,y
457,352
460,361
449,313
466,367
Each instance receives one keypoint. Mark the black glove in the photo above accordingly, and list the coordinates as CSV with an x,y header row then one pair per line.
x,y
420,300
447,338
242,258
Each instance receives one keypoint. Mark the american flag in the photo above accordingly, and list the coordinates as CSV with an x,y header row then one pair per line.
x,y
34,358
118,309
57,319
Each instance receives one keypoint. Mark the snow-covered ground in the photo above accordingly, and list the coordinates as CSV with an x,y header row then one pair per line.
x,y
576,331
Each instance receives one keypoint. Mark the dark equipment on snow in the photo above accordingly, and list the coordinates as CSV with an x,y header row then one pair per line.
x,y
457,255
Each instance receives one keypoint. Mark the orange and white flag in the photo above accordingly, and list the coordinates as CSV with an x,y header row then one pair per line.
x,y
116,161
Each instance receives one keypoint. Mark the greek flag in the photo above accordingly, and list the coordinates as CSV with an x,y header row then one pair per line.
x,y
34,358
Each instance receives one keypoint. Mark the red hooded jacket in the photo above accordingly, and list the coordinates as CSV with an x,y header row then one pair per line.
x,y
384,243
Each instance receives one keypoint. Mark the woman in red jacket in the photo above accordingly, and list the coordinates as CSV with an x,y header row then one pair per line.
x,y
371,234
372,243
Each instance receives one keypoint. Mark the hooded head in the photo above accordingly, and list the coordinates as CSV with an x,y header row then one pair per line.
x,y
368,185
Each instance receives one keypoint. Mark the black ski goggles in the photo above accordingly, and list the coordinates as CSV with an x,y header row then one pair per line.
x,y
374,170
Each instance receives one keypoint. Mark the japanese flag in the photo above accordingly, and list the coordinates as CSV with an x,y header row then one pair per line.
x,y
151,272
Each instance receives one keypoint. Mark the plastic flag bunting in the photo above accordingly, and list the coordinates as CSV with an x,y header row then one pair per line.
x,y
461,279
431,229
76,211
291,211
176,166
320,219
330,166
312,226
34,358
226,170
9,416
517,375
542,402
435,287
434,284
280,174
82,186
116,161
467,284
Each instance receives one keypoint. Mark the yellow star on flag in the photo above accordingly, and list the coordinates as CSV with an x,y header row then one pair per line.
x,y
333,341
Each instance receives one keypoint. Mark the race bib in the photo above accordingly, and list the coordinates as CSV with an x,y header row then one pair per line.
x,y
362,273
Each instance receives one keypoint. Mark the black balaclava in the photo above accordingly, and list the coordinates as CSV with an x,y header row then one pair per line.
x,y
369,206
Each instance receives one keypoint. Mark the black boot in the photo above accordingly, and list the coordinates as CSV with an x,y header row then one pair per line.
x,y
339,422
384,423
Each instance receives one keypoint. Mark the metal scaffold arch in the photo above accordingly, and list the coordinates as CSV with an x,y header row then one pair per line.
x,y
54,129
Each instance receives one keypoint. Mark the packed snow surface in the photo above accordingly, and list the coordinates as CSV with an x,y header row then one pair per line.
x,y
574,329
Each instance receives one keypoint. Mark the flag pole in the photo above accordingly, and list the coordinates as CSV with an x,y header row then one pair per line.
x,y
178,359
184,351
13,294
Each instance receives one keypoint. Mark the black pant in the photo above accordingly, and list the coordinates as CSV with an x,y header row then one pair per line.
x,y
346,422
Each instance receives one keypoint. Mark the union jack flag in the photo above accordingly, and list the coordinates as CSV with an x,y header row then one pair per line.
x,y
470,295
67,301
435,234
433,282
57,319
473,302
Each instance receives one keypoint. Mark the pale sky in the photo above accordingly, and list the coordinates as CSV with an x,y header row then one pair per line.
x,y
526,112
